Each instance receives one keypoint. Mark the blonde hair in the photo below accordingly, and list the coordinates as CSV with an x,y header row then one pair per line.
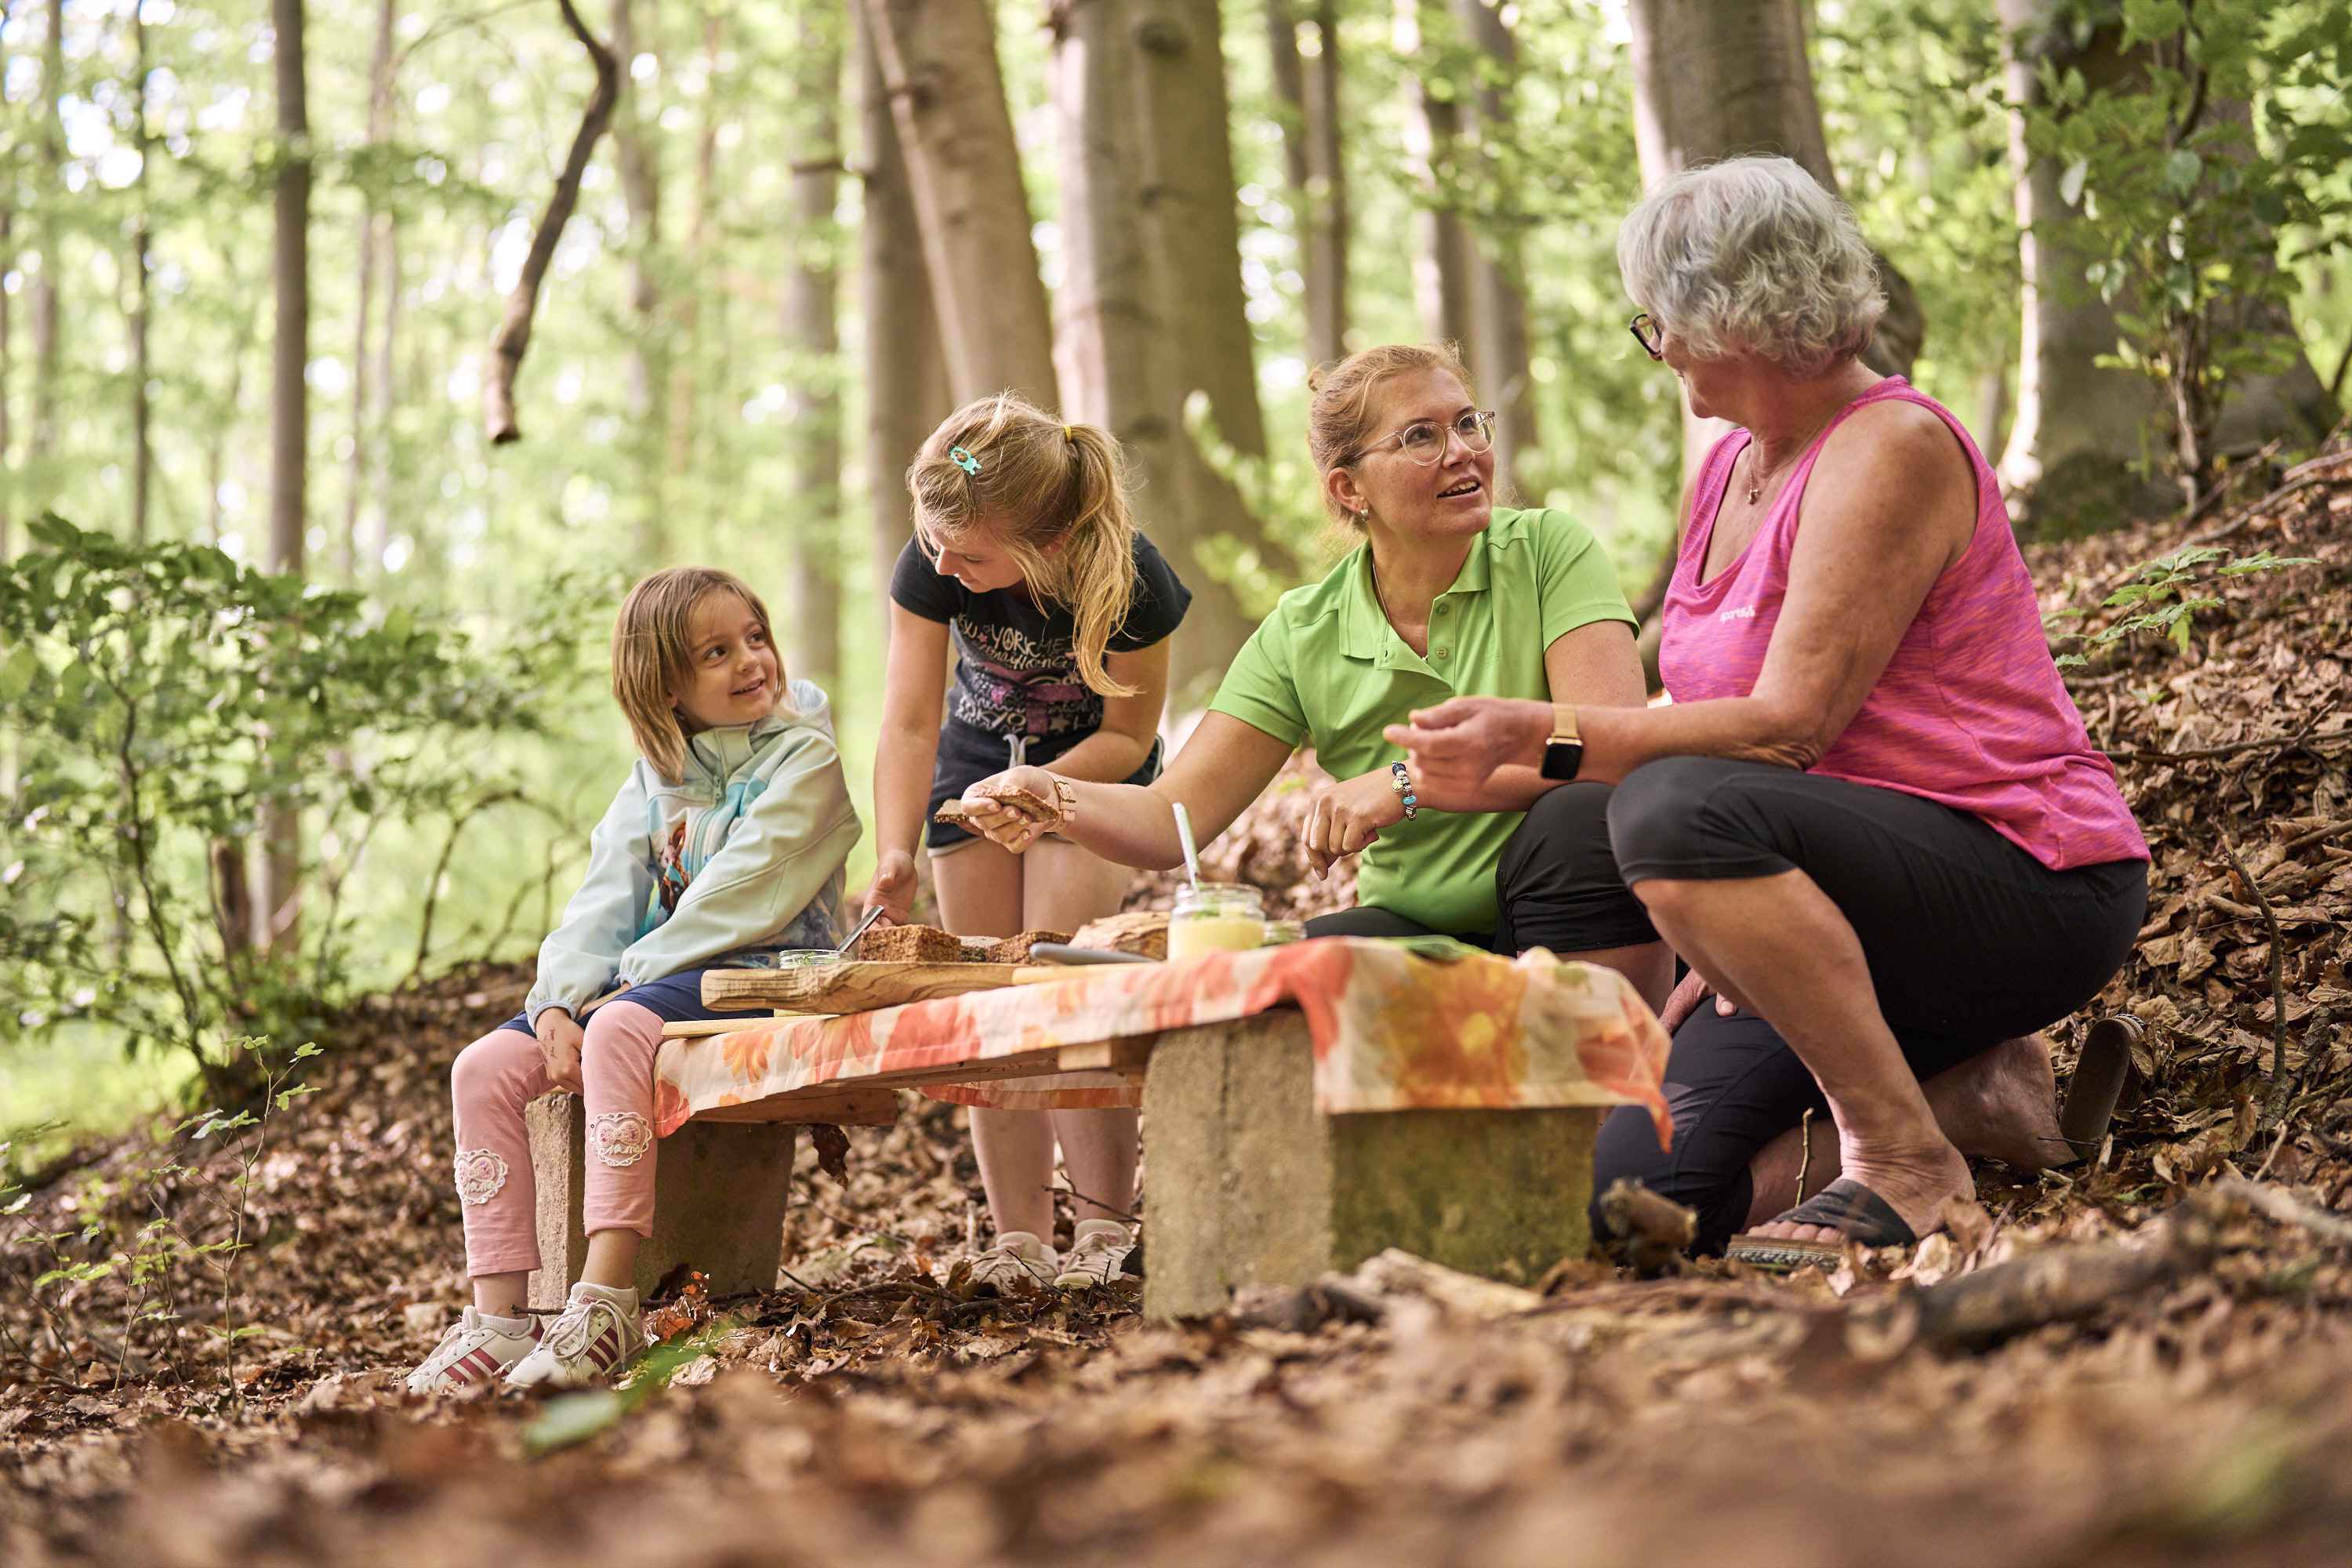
x,y
1033,482
1339,410
652,657
1752,253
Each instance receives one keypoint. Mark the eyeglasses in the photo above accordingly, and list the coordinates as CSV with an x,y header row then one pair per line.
x,y
1649,334
1423,440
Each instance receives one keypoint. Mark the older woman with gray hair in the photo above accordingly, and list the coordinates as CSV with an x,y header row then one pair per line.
x,y
1870,819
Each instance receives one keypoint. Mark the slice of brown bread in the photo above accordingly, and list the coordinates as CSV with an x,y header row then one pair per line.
x,y
911,944
1016,949
1143,931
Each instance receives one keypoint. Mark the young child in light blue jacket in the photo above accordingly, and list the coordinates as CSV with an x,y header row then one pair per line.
x,y
724,846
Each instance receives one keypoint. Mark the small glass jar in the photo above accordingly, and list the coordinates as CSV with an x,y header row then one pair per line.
x,y
1215,917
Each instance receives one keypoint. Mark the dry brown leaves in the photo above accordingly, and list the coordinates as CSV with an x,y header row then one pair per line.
x,y
870,1411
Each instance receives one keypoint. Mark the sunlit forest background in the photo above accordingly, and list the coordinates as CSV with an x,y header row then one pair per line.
x,y
255,261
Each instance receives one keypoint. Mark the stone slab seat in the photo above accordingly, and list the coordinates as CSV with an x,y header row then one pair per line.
x,y
1246,1183
719,1191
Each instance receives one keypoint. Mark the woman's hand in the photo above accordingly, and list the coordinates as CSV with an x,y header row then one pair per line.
x,y
560,1038
1344,818
893,888
1012,809
1454,748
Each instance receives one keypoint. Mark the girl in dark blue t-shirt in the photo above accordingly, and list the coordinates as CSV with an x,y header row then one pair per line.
x,y
1026,560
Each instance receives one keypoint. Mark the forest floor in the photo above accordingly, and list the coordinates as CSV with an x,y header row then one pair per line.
x,y
2173,1385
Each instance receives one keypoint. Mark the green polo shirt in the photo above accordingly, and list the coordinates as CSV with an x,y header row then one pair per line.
x,y
1327,670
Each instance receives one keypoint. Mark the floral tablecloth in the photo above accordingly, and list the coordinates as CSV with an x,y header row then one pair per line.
x,y
1391,1031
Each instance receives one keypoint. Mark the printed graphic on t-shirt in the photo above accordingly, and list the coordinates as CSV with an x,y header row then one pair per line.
x,y
1015,684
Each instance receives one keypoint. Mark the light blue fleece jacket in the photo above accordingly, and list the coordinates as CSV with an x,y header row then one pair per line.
x,y
744,856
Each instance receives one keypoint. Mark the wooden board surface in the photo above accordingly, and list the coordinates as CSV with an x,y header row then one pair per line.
x,y
855,988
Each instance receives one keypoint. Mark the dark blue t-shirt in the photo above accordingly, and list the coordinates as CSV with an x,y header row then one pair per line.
x,y
1016,661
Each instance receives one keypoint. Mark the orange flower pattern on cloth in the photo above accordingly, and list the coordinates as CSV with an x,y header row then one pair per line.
x,y
1391,1031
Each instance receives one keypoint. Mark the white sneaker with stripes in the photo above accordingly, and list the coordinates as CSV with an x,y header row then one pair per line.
x,y
594,1335
473,1350
1097,1255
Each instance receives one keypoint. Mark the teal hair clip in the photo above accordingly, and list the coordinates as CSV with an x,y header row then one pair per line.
x,y
964,460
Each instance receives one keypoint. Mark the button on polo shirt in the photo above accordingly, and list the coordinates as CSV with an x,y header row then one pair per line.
x,y
1327,669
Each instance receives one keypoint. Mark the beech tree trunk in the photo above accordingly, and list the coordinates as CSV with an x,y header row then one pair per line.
x,y
812,340
8,379
1498,302
367,392
289,419
1193,240
1441,257
47,346
946,95
1306,79
692,306
906,366
645,383
142,455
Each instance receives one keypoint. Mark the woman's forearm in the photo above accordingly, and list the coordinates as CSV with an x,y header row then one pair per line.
x,y
1747,729
903,760
1513,789
1128,825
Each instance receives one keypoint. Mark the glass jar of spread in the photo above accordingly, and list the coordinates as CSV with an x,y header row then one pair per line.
x,y
1215,917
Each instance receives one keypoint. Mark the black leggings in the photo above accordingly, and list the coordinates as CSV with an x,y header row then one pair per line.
x,y
1557,883
1971,941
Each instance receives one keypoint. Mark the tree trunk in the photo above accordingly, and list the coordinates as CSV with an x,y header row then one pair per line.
x,y
685,358
7,378
1193,241
2083,436
288,420
1308,81
813,342
1498,302
1714,78
906,366
143,455
947,94
644,379
365,391
1432,134
48,345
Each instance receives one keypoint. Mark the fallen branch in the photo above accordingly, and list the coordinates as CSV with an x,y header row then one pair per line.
x,y
2278,1203
2279,743
2055,1284
514,327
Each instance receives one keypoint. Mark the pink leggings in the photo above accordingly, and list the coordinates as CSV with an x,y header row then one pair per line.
x,y
500,1074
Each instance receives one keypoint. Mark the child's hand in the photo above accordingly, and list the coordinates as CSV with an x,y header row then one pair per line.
x,y
560,1038
893,889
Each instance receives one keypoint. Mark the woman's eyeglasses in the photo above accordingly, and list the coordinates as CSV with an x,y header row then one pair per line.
x,y
1423,440
1649,334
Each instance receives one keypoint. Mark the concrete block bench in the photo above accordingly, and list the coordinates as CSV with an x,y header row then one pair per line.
x,y
1304,1107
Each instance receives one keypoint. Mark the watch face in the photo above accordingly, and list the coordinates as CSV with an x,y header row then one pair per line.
x,y
1561,759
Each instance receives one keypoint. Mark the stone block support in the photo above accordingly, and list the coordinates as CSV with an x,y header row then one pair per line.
x,y
719,1193
1245,1182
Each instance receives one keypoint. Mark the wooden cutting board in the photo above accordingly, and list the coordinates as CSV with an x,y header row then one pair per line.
x,y
855,988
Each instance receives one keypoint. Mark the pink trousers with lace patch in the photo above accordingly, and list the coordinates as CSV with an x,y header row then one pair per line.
x,y
500,1074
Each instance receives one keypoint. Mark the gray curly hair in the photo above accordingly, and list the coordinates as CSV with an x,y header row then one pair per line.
x,y
1751,253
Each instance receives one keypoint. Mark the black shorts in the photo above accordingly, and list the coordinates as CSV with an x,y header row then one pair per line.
x,y
968,755
1970,941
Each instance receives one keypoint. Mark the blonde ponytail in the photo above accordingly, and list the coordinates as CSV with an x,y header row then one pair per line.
x,y
1037,483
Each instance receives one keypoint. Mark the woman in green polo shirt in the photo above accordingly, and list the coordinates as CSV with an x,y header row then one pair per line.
x,y
1447,595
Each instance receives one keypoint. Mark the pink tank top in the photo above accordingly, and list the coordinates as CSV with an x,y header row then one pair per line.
x,y
1969,710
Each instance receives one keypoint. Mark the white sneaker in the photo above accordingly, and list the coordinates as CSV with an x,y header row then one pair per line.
x,y
1097,1253
589,1340
474,1349
1018,1262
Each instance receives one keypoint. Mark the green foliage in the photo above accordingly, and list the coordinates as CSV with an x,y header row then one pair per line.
x,y
165,702
2167,594
2223,130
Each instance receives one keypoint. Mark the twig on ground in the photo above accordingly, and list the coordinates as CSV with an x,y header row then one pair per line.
x,y
1106,1208
2275,1110
1804,1153
2278,1203
2277,743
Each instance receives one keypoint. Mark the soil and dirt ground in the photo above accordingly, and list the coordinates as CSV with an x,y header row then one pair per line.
x,y
2172,1384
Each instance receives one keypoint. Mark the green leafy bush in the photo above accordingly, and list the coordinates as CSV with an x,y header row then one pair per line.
x,y
159,703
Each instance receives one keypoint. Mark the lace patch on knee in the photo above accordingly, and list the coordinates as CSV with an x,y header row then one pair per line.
x,y
480,1174
620,1137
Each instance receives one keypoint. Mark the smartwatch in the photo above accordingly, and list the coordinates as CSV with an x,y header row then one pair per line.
x,y
1564,751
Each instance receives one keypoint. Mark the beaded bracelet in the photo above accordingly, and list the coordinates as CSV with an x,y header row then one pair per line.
x,y
1400,780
